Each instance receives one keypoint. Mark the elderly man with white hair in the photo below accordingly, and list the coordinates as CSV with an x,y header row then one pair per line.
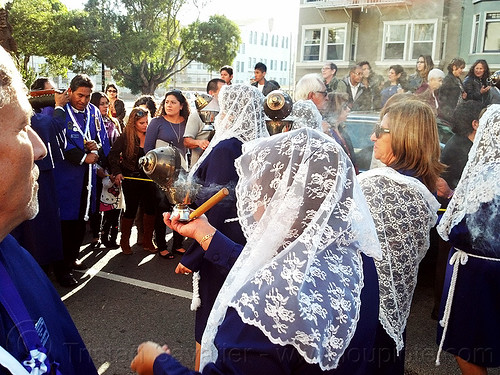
x,y
311,87
37,335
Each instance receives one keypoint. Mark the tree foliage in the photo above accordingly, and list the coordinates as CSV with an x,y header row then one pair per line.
x,y
46,28
142,41
145,44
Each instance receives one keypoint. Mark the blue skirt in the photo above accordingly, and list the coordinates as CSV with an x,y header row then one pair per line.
x,y
474,326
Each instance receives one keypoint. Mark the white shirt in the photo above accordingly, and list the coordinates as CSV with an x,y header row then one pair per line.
x,y
354,90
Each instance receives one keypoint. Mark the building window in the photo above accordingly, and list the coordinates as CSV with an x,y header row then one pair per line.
x,y
475,35
354,41
492,32
335,43
322,43
423,40
395,37
408,40
312,41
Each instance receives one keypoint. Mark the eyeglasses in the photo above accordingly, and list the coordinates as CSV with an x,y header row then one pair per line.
x,y
379,131
324,93
420,62
110,90
141,113
357,73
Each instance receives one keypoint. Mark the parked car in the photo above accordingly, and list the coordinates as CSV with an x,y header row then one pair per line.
x,y
359,127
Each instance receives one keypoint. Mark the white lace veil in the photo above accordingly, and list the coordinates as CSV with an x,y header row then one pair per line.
x,y
299,277
241,116
404,212
480,181
305,114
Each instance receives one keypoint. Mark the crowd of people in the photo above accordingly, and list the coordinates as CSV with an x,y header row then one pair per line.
x,y
308,266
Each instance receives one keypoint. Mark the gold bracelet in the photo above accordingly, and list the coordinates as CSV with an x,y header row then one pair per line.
x,y
206,237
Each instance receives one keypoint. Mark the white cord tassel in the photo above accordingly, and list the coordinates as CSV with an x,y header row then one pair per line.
x,y
460,257
457,259
89,194
196,301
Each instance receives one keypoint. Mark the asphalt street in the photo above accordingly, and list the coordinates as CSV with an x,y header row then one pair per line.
x,y
123,300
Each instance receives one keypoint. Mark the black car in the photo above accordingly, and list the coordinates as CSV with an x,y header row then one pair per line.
x,y
359,127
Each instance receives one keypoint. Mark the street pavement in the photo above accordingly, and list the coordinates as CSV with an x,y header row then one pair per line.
x,y
123,300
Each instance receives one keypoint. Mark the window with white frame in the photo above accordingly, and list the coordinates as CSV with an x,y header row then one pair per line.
x,y
423,39
408,40
312,43
335,43
324,42
354,42
475,35
395,41
492,32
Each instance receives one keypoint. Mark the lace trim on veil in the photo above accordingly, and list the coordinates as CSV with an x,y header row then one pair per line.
x,y
299,277
404,211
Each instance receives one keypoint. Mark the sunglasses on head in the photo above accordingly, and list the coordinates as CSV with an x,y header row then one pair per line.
x,y
141,113
379,130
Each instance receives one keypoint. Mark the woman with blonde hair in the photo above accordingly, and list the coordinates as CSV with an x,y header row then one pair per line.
x,y
123,159
404,210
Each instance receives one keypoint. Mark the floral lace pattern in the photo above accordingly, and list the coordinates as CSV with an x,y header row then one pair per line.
x,y
241,116
479,182
305,114
404,211
299,277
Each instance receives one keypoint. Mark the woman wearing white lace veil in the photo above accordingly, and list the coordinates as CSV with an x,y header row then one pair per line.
x,y
302,296
241,116
241,119
404,211
305,114
470,309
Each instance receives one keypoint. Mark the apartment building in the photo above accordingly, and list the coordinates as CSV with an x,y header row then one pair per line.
x,y
387,32
261,41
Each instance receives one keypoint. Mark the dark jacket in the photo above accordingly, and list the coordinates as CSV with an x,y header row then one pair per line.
x,y
268,87
472,86
119,163
449,93
363,99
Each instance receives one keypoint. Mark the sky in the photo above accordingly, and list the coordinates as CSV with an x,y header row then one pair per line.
x,y
284,12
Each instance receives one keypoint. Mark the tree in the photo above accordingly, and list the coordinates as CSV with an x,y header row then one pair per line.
x,y
46,28
145,44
